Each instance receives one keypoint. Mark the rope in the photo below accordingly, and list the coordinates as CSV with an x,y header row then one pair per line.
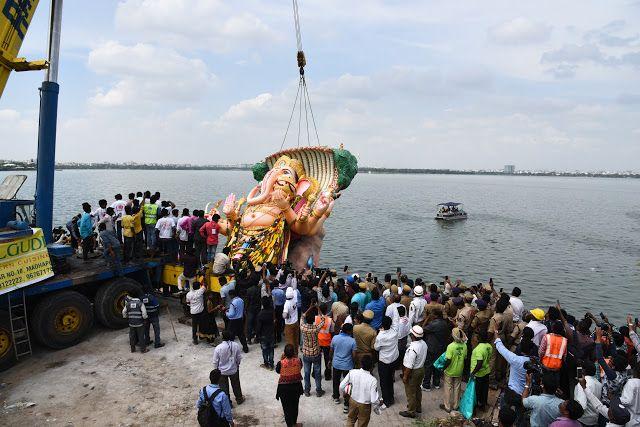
x,y
306,91
300,113
290,117
306,119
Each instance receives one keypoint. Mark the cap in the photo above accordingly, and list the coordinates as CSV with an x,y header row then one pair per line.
x,y
481,303
468,296
417,291
457,300
406,289
367,314
289,294
538,313
619,414
394,289
417,331
486,287
362,285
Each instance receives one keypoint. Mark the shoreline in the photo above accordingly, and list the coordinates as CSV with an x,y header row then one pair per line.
x,y
361,170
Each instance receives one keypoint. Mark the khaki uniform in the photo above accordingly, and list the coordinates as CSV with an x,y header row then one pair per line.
x,y
365,337
502,324
429,309
516,334
479,322
450,309
406,301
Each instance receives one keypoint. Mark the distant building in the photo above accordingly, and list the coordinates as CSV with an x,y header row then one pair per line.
x,y
509,169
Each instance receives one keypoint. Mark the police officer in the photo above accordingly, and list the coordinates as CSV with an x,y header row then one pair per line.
x,y
153,312
135,312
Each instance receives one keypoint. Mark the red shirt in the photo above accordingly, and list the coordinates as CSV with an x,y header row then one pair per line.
x,y
210,230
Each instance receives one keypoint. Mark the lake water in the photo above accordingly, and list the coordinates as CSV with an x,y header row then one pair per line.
x,y
575,239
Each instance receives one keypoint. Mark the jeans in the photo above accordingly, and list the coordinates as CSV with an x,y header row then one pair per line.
x,y
201,252
138,245
310,362
211,252
150,232
111,244
326,352
431,372
266,344
152,320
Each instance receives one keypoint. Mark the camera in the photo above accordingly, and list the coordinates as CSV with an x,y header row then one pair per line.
x,y
534,368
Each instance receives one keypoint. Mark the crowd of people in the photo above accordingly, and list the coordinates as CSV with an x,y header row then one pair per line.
x,y
361,335
143,224
549,367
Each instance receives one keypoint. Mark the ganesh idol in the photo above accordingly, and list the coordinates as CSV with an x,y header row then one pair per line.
x,y
283,215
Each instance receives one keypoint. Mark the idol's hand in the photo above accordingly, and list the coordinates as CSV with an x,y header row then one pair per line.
x,y
280,199
230,207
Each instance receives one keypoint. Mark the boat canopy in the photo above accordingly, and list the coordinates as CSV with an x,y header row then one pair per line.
x,y
449,204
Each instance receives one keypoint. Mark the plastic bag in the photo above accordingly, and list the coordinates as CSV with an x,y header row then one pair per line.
x,y
439,363
468,399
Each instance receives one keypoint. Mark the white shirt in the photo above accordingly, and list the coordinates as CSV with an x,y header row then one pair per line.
x,y
182,233
220,263
392,312
404,326
195,300
118,206
348,320
226,357
364,386
387,346
98,214
165,225
600,407
174,219
416,310
539,331
416,355
518,307
630,398
290,312
590,416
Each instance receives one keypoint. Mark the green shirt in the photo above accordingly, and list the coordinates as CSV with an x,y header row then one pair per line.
x,y
482,352
456,352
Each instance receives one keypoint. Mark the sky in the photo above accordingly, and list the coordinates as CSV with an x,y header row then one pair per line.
x,y
401,83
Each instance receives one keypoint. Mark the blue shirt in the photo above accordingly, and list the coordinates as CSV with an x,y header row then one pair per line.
x,y
378,307
343,346
221,403
224,292
361,299
544,409
517,371
85,225
236,309
278,296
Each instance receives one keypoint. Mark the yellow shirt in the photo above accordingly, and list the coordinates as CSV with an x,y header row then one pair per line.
x,y
127,225
137,222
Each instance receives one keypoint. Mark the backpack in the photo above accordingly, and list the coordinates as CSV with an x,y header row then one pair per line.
x,y
207,415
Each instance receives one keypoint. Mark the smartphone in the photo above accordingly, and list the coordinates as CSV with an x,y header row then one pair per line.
x,y
636,320
398,270
602,316
501,290
579,372
442,284
346,267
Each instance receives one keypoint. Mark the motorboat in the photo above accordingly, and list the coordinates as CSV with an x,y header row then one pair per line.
x,y
450,211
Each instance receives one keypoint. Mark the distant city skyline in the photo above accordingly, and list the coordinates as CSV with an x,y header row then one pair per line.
x,y
445,85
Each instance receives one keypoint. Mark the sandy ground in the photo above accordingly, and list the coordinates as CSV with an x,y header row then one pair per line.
x,y
99,382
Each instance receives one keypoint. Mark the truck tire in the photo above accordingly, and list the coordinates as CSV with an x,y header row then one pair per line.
x,y
62,320
109,301
7,355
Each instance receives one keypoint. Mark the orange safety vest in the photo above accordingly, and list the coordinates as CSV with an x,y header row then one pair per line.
x,y
324,335
556,347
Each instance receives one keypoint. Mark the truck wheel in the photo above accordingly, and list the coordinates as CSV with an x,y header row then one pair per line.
x,y
7,355
62,320
109,301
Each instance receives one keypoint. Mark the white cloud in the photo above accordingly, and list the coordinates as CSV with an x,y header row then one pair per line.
x,y
519,31
147,73
244,108
201,24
